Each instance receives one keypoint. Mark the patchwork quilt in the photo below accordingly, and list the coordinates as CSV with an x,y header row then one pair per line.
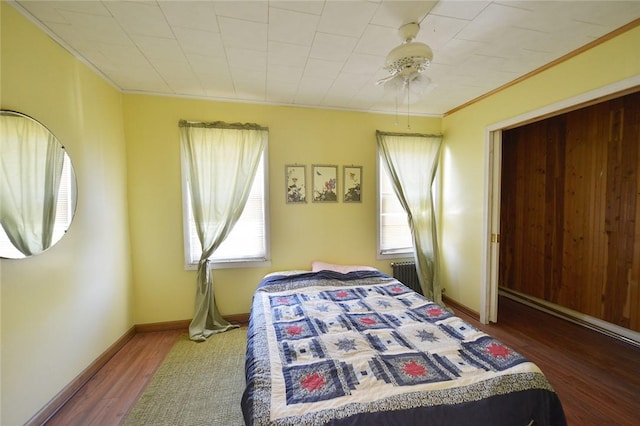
x,y
361,348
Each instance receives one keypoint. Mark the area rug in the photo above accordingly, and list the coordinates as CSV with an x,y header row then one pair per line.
x,y
197,384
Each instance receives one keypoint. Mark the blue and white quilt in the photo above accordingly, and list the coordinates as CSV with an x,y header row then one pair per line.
x,y
361,348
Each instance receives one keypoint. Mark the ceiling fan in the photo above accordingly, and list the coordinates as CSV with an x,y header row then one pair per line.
x,y
406,64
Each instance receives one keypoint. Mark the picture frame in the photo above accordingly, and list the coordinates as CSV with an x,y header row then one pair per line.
x,y
352,184
295,183
325,183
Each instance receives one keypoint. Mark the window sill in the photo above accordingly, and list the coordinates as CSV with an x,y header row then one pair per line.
x,y
231,264
395,255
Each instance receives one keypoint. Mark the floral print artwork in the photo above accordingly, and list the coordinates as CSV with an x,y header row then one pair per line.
x,y
296,184
352,184
325,183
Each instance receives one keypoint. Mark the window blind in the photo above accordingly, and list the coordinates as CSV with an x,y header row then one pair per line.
x,y
248,239
395,234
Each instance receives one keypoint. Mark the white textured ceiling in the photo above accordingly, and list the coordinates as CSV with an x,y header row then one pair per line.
x,y
326,54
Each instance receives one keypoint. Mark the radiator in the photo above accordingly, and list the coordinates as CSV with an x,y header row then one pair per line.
x,y
406,273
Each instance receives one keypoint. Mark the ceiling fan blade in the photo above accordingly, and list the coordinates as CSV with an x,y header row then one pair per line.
x,y
385,79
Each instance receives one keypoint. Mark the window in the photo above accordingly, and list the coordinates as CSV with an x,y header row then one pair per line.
x,y
248,242
394,233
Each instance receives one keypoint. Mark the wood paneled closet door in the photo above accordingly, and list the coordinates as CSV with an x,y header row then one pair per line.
x,y
570,210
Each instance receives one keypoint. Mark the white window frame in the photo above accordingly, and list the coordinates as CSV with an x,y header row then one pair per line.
x,y
237,262
388,253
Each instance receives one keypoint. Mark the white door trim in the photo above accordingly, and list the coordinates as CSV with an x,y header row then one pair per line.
x,y
493,174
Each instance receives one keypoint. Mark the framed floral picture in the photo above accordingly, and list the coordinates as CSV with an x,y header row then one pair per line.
x,y
325,183
352,180
296,182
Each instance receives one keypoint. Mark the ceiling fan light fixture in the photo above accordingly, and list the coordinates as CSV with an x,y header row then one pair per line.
x,y
405,65
413,54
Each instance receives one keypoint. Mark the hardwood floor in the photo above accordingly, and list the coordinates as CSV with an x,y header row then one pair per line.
x,y
596,377
106,399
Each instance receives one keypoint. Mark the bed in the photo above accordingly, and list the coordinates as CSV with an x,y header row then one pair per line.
x,y
357,347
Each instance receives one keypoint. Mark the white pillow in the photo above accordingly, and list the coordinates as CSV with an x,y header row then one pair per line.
x,y
343,269
287,273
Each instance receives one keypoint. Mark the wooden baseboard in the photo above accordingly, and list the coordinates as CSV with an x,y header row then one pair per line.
x,y
612,330
239,319
163,326
42,416
457,306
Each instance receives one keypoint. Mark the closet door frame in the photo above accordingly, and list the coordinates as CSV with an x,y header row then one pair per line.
x,y
493,175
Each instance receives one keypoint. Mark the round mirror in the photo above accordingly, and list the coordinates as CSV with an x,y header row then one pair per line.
x,y
37,187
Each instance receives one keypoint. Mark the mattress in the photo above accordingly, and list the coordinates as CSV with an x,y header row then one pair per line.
x,y
360,348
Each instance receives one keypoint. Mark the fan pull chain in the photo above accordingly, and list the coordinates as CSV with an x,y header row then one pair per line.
x,y
396,99
409,104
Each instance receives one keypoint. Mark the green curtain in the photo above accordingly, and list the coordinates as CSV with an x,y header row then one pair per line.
x,y
220,161
31,161
412,161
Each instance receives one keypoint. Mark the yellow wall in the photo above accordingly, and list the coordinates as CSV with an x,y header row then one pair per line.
x,y
339,233
464,150
62,309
